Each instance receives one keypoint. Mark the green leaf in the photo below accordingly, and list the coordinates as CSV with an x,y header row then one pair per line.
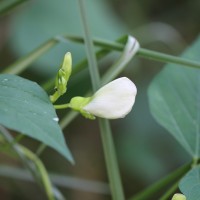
x,y
174,97
190,184
26,108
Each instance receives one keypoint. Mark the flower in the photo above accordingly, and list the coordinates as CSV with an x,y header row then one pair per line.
x,y
112,101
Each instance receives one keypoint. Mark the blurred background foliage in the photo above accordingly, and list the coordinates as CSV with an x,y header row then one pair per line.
x,y
146,152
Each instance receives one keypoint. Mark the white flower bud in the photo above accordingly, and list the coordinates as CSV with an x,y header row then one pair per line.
x,y
114,100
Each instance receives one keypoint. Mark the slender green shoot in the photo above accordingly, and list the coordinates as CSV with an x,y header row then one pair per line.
x,y
170,192
41,149
42,171
39,173
20,65
109,152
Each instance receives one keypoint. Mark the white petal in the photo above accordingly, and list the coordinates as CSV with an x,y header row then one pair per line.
x,y
114,100
131,48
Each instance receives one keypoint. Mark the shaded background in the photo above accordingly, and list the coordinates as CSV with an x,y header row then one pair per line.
x,y
146,152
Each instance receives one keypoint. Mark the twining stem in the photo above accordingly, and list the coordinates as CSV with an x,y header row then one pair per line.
x,y
21,64
106,135
93,68
162,57
40,149
170,192
43,173
142,52
39,173
68,118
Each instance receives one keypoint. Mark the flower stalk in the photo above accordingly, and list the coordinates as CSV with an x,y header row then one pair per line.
x,y
106,135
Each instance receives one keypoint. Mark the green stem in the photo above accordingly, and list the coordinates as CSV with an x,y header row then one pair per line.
x,y
142,52
43,173
93,68
111,161
162,57
170,192
68,118
150,191
106,44
62,106
26,155
54,96
16,140
21,64
106,135
40,149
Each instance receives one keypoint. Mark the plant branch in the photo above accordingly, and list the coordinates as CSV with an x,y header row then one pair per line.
x,y
170,192
28,158
106,135
21,64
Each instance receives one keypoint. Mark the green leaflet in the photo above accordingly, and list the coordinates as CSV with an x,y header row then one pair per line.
x,y
174,97
190,184
26,108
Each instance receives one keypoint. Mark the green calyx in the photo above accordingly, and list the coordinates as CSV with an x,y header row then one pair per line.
x,y
62,77
78,103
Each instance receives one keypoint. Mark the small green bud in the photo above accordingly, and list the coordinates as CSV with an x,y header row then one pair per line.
x,y
64,74
77,103
62,77
179,197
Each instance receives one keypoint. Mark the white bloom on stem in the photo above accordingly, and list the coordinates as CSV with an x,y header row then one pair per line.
x,y
114,100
